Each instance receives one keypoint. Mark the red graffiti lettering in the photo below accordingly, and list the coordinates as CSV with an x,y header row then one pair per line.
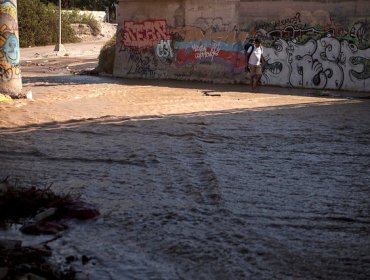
x,y
144,34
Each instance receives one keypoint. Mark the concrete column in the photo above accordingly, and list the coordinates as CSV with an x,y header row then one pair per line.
x,y
10,73
59,48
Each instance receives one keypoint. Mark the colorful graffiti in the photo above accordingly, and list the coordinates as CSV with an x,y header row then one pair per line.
x,y
297,54
145,34
9,44
192,53
8,7
10,48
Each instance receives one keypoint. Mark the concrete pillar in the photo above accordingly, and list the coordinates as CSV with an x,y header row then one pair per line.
x,y
59,48
10,73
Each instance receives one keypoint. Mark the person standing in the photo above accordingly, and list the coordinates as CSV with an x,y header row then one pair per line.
x,y
254,58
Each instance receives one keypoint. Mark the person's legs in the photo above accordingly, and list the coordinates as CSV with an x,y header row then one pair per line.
x,y
253,69
258,75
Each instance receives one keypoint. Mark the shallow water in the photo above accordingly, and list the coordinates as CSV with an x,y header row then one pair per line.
x,y
252,194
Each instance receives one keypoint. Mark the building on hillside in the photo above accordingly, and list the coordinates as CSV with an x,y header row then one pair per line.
x,y
311,44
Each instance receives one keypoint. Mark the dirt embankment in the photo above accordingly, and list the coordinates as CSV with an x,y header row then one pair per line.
x,y
45,60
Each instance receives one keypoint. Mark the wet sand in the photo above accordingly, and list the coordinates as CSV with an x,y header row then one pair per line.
x,y
267,185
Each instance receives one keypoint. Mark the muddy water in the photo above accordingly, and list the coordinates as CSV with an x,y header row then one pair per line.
x,y
280,193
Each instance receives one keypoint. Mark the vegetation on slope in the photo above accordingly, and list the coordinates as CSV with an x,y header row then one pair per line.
x,y
38,24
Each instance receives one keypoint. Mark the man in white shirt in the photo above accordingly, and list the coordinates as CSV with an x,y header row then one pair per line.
x,y
253,62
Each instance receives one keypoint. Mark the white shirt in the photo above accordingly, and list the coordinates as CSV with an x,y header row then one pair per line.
x,y
255,58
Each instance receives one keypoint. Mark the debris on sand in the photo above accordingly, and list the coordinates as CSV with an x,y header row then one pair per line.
x,y
210,93
40,211
18,262
4,98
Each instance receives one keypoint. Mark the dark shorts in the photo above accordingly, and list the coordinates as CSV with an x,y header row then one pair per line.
x,y
255,70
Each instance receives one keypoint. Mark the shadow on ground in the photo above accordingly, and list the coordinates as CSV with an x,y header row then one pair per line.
x,y
202,86
251,194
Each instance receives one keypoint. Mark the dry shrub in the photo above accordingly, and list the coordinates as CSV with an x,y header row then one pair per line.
x,y
107,56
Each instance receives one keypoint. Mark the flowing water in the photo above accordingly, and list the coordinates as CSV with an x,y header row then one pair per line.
x,y
275,193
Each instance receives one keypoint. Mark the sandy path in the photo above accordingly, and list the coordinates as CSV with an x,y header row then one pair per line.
x,y
83,49
63,98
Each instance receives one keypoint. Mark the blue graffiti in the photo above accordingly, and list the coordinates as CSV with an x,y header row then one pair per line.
x,y
11,50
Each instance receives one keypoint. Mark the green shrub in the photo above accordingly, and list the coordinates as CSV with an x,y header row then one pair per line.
x,y
75,17
93,23
38,24
107,56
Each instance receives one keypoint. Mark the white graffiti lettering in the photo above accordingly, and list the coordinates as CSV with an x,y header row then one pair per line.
x,y
164,49
204,52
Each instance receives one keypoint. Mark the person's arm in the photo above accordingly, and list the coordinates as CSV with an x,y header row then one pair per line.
x,y
249,52
263,60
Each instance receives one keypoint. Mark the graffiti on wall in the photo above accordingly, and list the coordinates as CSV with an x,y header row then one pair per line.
x,y
145,45
289,32
8,7
211,24
9,43
215,52
326,63
298,54
361,31
164,49
324,57
294,20
145,34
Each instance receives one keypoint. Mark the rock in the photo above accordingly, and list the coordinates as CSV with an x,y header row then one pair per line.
x,y
85,259
29,94
70,259
31,276
9,244
79,210
45,214
4,186
43,228
209,93
3,272
324,93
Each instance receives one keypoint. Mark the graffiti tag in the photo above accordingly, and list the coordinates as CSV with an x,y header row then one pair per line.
x,y
145,34
204,52
164,49
288,21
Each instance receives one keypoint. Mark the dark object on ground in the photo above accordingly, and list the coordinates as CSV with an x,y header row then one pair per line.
x,y
29,262
43,213
209,93
46,208
79,210
43,227
17,204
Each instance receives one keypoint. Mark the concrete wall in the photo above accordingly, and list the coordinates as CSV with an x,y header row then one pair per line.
x,y
311,44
